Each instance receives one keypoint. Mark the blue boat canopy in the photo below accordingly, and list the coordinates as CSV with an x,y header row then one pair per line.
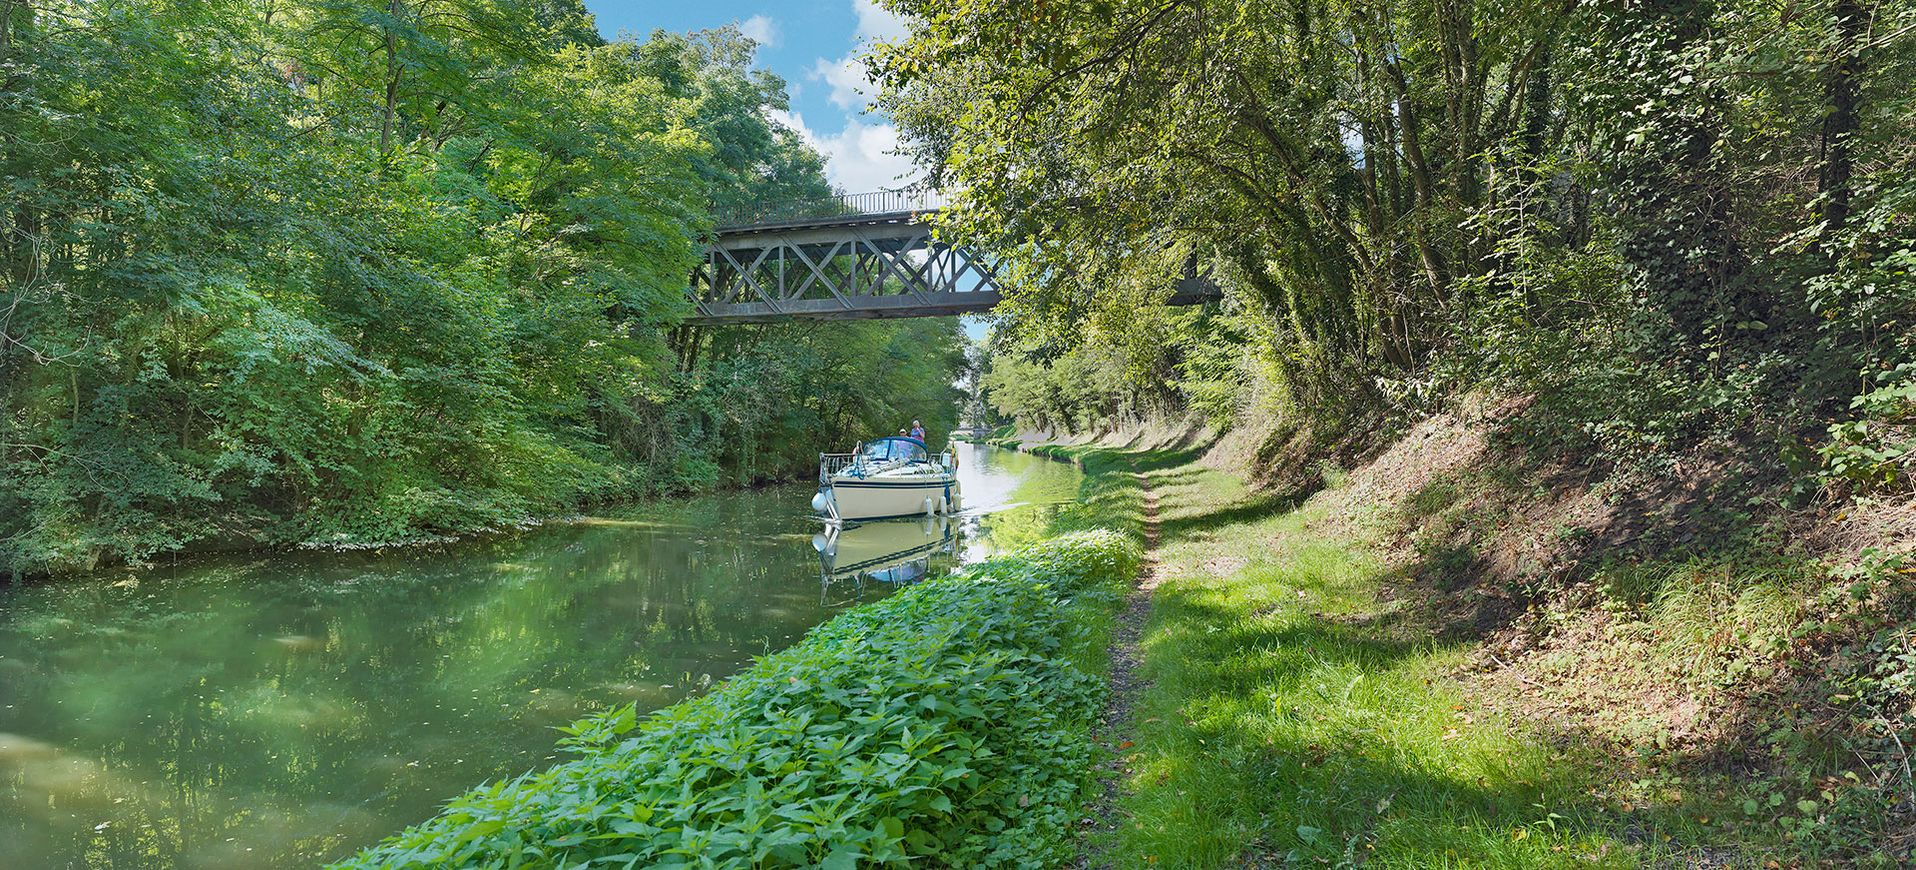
x,y
895,447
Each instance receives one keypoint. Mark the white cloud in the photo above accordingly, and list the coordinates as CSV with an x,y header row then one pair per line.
x,y
862,158
859,158
874,22
851,90
846,77
760,29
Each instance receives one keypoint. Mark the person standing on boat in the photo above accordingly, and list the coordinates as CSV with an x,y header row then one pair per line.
x,y
918,429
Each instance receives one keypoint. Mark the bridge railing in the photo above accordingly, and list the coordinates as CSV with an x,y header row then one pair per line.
x,y
910,199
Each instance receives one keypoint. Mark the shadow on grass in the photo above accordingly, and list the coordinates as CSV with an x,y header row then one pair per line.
x,y
1276,734
1163,479
1262,507
1159,460
1110,495
1302,710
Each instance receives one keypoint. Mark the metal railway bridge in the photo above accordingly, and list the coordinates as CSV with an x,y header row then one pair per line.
x,y
854,257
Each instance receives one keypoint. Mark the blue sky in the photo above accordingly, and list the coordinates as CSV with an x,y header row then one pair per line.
x,y
811,44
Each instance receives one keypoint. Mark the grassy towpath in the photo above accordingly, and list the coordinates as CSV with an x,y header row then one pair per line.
x,y
1288,704
1126,659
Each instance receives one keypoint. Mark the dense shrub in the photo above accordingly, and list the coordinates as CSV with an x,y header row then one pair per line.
x,y
946,722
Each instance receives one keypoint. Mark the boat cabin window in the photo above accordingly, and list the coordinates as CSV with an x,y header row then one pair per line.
x,y
895,450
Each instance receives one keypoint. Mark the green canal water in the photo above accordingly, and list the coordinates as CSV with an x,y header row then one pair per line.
x,y
284,710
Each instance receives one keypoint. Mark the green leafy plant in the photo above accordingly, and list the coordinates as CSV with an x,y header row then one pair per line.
x,y
1877,450
947,721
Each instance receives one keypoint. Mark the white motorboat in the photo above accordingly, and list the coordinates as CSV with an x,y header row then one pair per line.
x,y
895,476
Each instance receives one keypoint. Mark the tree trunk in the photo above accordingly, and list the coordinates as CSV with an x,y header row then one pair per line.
x,y
1839,118
6,36
1421,184
393,72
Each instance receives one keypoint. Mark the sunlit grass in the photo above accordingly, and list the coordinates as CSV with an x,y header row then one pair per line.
x,y
1110,496
1292,716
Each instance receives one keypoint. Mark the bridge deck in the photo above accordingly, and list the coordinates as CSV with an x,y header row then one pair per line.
x,y
825,222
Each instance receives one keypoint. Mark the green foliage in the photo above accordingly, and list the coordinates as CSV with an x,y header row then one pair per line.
x,y
1094,553
1877,449
1675,224
354,273
944,722
1151,362
1830,809
771,398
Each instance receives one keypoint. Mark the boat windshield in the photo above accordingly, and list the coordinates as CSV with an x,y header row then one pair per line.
x,y
895,450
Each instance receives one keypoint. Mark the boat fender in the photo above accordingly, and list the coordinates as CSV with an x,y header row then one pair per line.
x,y
822,502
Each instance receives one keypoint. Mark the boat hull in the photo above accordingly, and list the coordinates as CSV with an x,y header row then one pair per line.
x,y
882,499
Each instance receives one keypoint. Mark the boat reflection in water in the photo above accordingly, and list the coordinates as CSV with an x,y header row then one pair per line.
x,y
897,552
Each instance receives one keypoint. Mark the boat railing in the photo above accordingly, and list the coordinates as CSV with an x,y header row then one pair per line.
x,y
830,464
833,463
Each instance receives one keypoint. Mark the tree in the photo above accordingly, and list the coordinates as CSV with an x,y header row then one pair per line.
x,y
1406,199
341,273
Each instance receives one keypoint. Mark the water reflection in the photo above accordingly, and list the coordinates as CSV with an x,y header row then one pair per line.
x,y
1010,499
894,553
278,711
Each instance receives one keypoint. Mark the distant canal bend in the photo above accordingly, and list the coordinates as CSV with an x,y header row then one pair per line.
x,y
278,712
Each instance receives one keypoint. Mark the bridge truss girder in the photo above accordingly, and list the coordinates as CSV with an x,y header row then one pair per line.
x,y
861,267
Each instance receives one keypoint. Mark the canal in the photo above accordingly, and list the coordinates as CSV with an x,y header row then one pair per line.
x,y
280,711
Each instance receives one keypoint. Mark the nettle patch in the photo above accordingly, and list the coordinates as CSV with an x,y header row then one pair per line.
x,y
1098,553
946,723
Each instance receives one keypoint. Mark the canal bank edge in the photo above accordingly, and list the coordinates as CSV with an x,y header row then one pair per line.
x,y
953,720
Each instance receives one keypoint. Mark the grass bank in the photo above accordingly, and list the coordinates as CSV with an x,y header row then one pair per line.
x,y
1302,705
950,722
1457,656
